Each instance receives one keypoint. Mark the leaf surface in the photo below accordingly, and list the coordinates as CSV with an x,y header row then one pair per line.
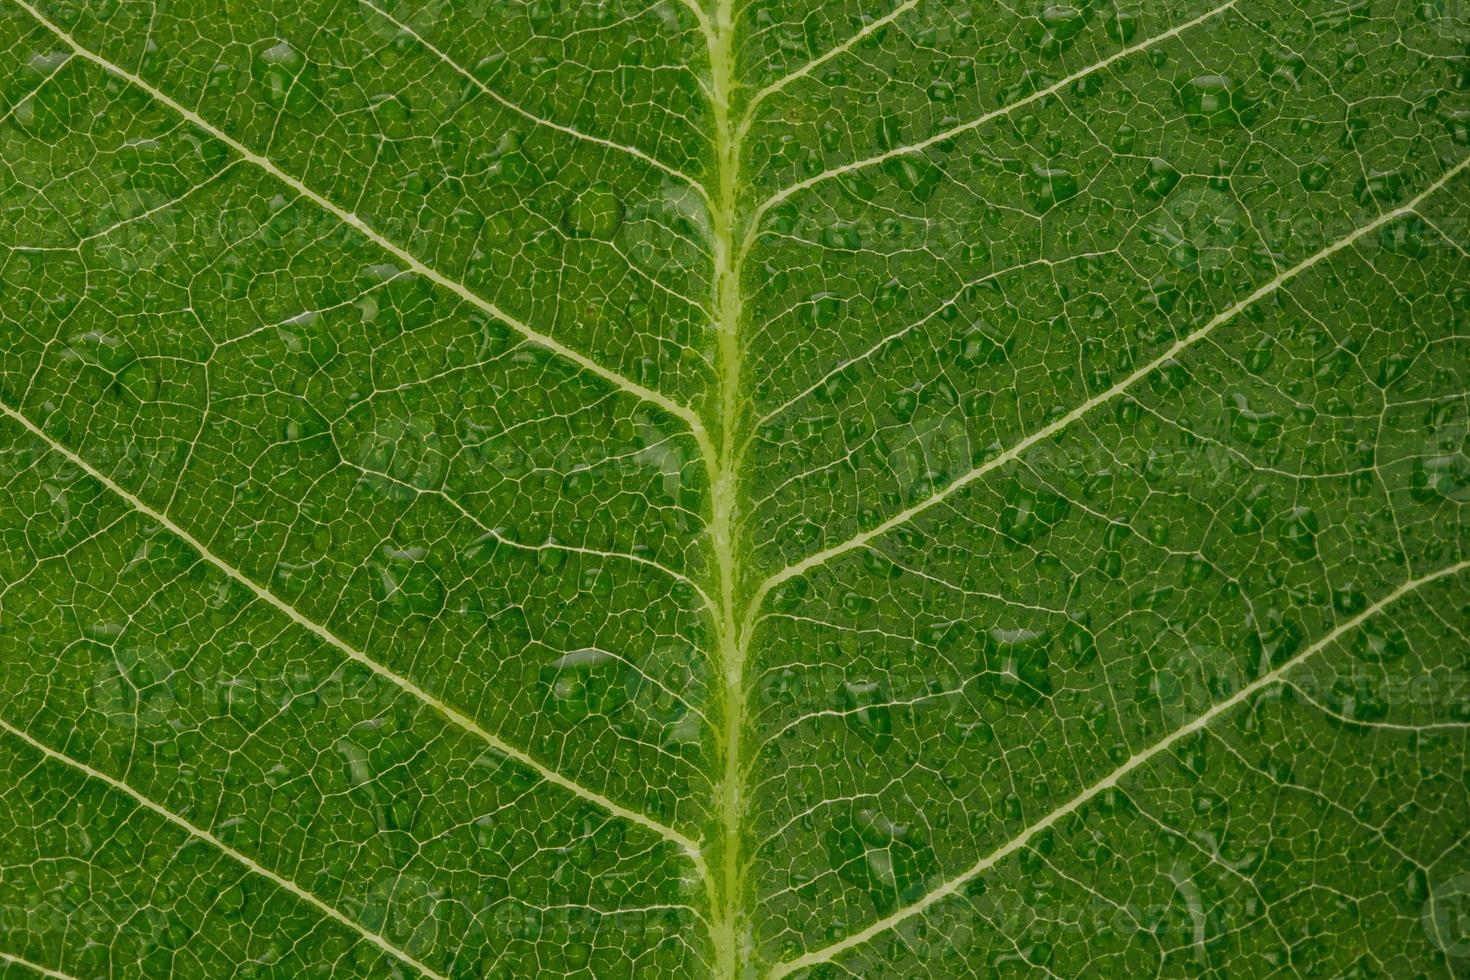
x,y
741,490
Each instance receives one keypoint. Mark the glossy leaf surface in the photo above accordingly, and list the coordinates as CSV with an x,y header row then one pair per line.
x,y
787,488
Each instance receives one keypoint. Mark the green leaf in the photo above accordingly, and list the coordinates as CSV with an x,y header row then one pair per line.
x,y
801,488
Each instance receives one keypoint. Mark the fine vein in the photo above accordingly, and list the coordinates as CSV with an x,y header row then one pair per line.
x,y
1019,841
753,226
1062,422
201,834
457,717
683,412
530,116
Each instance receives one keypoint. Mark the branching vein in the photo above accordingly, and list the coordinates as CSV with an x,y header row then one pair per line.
x,y
683,412
204,835
1248,691
454,715
1062,422
760,210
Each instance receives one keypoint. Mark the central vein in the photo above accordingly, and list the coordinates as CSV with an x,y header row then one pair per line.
x,y
728,927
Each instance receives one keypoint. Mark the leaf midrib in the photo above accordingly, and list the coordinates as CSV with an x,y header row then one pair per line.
x,y
727,892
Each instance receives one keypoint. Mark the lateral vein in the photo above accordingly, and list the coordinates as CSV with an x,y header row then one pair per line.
x,y
497,535
1019,841
201,834
44,971
1005,110
1062,422
530,116
817,62
899,333
457,717
683,412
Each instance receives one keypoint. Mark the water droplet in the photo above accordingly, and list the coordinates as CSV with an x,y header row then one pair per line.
x,y
915,174
1212,100
1273,642
1314,176
1030,512
890,861
1457,121
1249,425
1355,699
405,583
286,76
888,294
138,382
1078,643
595,212
1061,23
1016,664
977,346
49,110
940,91
1417,885
397,455
1299,533
1047,187
888,132
1406,236
1122,26
1379,187
230,901
834,388
842,235
864,704
820,310
1260,356
1168,377
585,682
1349,599
1444,477
1284,70
391,113
1158,178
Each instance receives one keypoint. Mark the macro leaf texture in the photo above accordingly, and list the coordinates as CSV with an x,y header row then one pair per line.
x,y
703,488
